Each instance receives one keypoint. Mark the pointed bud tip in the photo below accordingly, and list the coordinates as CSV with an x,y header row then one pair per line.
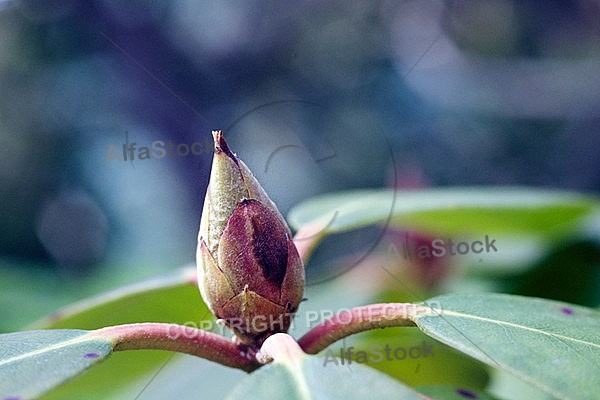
x,y
221,145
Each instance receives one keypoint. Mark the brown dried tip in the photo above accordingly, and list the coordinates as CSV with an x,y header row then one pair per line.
x,y
221,145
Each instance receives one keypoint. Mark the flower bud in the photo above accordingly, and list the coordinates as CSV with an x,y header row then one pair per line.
x,y
249,271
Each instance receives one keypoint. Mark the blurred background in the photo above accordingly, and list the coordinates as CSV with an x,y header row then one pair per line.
x,y
315,96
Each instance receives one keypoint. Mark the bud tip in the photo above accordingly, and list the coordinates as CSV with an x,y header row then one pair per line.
x,y
221,145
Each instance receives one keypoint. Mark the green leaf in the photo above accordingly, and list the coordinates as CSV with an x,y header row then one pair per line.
x,y
445,366
35,361
550,279
309,379
446,211
442,392
172,298
553,345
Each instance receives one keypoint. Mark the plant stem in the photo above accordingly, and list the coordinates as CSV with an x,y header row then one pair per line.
x,y
213,347
359,319
183,339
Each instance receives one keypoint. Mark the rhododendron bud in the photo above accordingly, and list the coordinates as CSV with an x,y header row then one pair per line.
x,y
249,271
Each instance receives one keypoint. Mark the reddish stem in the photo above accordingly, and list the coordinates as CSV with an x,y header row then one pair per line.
x,y
213,347
183,339
359,319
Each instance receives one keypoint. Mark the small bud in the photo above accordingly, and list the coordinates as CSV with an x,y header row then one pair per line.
x,y
249,270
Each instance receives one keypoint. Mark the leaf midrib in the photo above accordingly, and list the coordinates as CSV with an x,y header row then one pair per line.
x,y
511,324
45,349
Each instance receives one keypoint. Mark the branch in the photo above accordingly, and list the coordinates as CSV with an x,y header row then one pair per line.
x,y
359,319
213,347
183,339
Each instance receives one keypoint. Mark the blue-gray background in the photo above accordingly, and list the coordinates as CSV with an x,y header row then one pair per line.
x,y
313,95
